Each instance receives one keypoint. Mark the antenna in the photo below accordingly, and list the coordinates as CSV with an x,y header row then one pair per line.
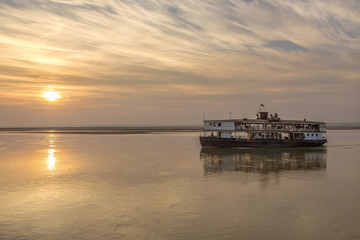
x,y
261,105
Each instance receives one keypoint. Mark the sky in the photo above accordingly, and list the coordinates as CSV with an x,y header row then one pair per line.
x,y
155,62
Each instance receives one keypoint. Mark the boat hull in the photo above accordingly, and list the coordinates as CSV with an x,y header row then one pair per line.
x,y
262,143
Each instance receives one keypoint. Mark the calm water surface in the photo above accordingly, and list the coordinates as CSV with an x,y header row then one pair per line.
x,y
164,186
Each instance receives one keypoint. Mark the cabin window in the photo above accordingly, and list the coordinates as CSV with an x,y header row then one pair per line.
x,y
307,134
210,124
312,134
219,124
317,135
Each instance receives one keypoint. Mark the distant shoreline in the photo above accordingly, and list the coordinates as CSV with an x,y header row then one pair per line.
x,y
343,127
125,130
103,130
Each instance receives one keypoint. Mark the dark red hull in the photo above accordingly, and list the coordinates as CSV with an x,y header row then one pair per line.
x,y
232,142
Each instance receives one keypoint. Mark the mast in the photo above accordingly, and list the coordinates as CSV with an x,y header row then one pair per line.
x,y
261,105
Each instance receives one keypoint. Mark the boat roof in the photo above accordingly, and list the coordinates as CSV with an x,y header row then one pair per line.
x,y
266,121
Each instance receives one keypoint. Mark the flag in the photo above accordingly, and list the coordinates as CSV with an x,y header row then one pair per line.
x,y
262,105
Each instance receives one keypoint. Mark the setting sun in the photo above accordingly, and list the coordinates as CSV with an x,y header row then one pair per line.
x,y
51,95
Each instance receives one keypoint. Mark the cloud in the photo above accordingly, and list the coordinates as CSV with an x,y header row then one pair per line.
x,y
146,53
284,45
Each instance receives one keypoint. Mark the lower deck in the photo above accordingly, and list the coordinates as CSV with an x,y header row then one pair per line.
x,y
265,135
235,142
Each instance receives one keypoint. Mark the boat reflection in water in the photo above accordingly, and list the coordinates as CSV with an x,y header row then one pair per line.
x,y
264,160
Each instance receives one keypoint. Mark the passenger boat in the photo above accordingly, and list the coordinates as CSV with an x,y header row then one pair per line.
x,y
264,131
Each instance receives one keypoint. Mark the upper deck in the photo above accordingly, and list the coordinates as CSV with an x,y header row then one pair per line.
x,y
268,125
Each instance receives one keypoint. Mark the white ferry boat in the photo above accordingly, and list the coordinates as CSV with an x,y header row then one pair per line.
x,y
264,131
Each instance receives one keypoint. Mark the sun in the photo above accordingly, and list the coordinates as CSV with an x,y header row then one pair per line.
x,y
51,95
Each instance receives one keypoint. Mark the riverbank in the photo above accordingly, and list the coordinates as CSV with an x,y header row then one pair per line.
x,y
343,127
126,129
104,130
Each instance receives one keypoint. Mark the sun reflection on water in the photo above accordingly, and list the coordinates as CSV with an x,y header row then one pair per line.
x,y
51,159
51,140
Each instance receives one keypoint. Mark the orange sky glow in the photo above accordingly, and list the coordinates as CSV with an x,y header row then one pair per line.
x,y
159,62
